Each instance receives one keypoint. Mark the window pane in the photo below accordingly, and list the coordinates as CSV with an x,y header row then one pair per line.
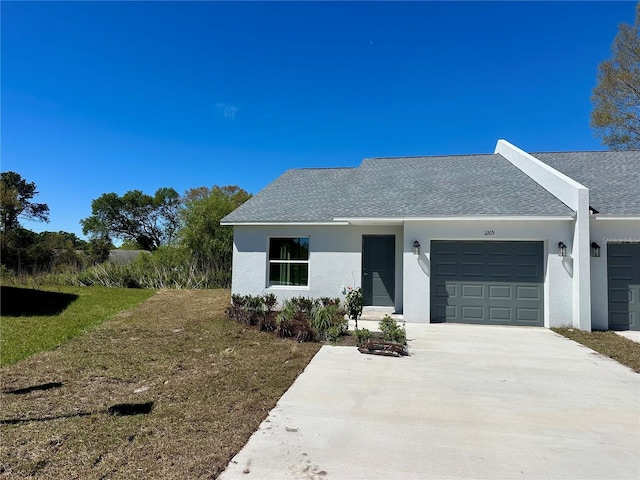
x,y
289,248
289,274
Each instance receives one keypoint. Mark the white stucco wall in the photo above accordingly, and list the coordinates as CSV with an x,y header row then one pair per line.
x,y
335,259
558,290
576,197
604,231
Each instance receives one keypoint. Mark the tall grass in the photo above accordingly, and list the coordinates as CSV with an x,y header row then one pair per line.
x,y
168,267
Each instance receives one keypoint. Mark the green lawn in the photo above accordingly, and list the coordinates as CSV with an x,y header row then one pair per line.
x,y
33,321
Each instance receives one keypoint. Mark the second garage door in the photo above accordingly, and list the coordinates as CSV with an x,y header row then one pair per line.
x,y
623,267
496,283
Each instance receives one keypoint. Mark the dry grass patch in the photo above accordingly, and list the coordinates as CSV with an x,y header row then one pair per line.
x,y
621,349
206,382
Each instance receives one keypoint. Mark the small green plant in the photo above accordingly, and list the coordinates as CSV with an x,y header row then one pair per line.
x,y
334,334
324,317
321,319
303,304
392,331
327,301
354,303
362,336
287,312
238,300
270,301
290,322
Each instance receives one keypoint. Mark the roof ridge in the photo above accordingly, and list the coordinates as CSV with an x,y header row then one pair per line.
x,y
432,156
324,168
587,151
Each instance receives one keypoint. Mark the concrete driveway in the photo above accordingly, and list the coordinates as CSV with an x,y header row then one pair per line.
x,y
470,402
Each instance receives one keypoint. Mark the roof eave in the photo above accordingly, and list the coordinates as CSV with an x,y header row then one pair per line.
x,y
615,216
277,223
457,218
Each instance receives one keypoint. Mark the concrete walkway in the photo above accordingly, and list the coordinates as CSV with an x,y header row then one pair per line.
x,y
470,402
633,335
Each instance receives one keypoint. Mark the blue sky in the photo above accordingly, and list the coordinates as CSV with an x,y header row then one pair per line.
x,y
112,96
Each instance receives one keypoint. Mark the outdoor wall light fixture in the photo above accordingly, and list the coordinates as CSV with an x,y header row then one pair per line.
x,y
562,249
416,248
595,249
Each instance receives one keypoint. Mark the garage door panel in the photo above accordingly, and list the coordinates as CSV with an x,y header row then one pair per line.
x,y
444,290
472,269
446,269
500,292
472,291
621,318
620,272
531,249
620,295
473,313
493,280
528,292
623,274
499,314
499,270
526,315
444,248
446,311
531,273
471,248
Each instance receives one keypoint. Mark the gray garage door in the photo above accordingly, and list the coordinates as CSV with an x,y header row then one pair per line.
x,y
623,268
497,283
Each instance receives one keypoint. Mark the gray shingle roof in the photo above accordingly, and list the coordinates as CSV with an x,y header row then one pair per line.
x,y
406,187
613,178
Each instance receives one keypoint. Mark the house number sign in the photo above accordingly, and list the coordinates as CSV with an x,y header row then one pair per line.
x,y
489,232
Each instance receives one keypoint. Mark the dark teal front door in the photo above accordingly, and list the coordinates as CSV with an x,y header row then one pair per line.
x,y
378,270
623,268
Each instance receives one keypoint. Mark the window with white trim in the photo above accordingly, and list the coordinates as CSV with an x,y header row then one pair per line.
x,y
289,261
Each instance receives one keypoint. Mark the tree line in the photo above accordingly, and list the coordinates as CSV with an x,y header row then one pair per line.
x,y
180,232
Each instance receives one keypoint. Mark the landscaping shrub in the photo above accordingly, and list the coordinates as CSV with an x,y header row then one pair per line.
x,y
362,336
303,304
321,319
247,309
328,315
268,322
327,301
304,319
303,331
296,327
270,301
392,331
334,334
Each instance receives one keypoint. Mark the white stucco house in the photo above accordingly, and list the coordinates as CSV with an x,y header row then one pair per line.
x,y
513,238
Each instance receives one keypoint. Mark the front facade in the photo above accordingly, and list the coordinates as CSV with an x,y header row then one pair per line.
x,y
499,239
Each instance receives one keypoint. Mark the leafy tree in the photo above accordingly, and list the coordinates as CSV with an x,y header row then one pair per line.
x,y
98,250
15,202
27,251
129,244
202,234
616,98
150,221
61,240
